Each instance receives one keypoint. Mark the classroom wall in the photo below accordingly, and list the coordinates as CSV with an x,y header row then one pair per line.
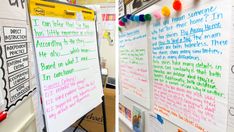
x,y
108,53
22,119
107,50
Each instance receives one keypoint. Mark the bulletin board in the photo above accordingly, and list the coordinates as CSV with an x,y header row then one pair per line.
x,y
16,60
67,56
190,65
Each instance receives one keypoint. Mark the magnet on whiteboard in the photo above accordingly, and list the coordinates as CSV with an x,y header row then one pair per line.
x,y
123,19
157,14
166,11
132,17
136,18
128,16
147,17
121,23
141,18
177,5
120,29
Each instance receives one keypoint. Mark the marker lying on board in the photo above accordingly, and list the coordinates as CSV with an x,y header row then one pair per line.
x,y
159,118
3,116
180,130
166,11
177,5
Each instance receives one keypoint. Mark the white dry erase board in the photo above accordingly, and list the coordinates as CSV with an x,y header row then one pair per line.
x,y
191,65
133,65
68,62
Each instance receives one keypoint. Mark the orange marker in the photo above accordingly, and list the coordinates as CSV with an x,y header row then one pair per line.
x,y
166,11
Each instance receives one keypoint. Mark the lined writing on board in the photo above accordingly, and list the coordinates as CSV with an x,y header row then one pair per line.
x,y
134,65
190,67
68,68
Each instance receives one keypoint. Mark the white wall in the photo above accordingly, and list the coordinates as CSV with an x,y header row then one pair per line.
x,y
22,119
107,51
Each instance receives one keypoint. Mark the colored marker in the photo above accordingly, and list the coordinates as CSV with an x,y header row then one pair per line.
x,y
3,116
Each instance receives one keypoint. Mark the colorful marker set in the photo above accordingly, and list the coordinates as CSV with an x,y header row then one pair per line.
x,y
165,11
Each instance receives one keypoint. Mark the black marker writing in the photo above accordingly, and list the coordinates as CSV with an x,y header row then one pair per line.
x,y
231,111
232,69
17,2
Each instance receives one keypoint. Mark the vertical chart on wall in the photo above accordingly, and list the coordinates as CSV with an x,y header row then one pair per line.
x,y
68,64
15,53
134,74
191,67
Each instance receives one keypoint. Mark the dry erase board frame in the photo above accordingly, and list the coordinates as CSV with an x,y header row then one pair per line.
x,y
98,53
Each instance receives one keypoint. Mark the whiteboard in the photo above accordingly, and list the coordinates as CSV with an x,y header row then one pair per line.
x,y
68,66
190,55
163,102
133,65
